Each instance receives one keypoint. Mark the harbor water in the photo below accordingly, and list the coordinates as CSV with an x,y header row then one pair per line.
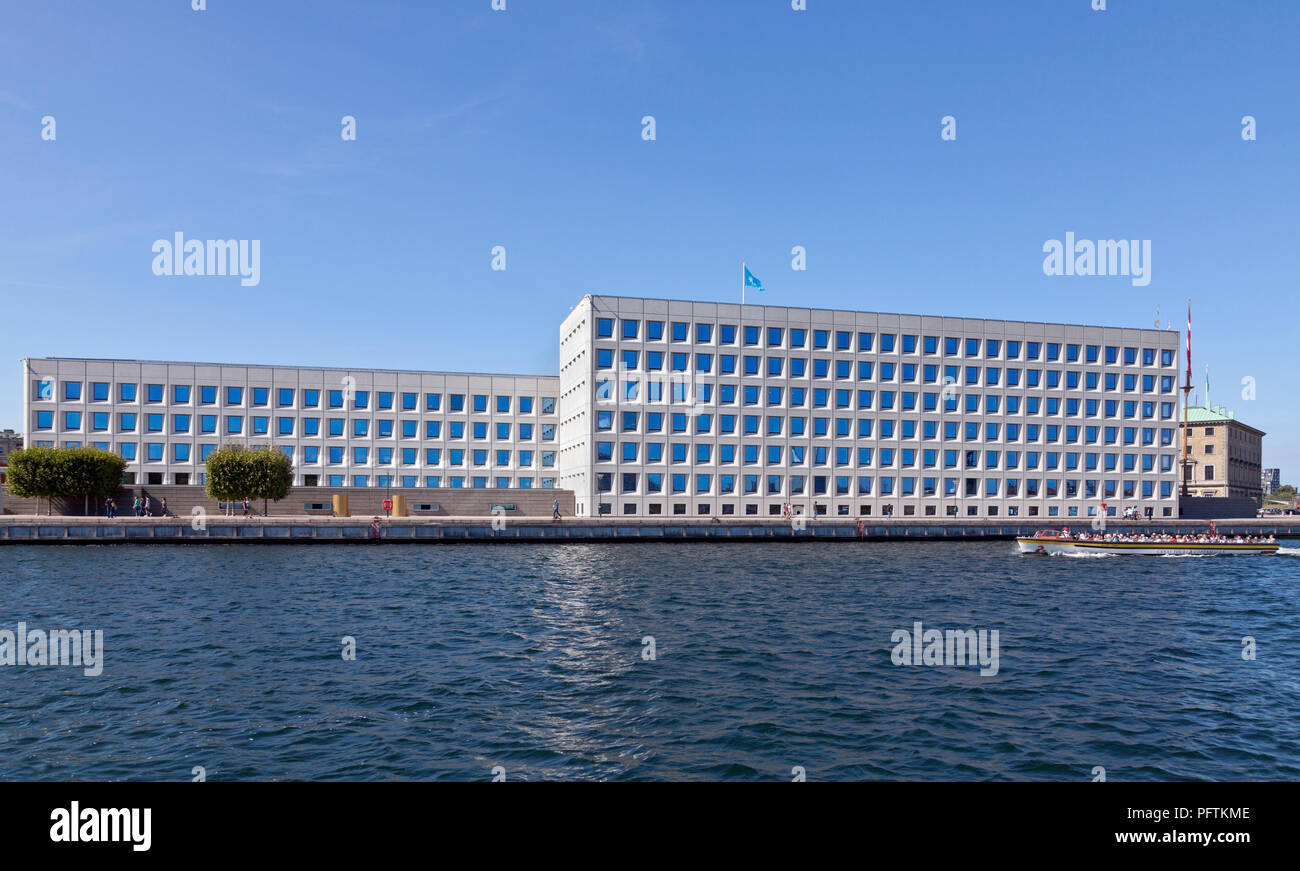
x,y
650,661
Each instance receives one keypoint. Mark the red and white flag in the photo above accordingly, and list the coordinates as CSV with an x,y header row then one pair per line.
x,y
1189,338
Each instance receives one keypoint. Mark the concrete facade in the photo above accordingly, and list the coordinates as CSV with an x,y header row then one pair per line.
x,y
672,408
682,408
340,427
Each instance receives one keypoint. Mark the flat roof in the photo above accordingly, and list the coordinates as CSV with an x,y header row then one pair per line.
x,y
890,314
279,366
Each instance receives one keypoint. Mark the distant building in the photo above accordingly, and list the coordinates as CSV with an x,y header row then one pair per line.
x,y
1271,480
1225,455
10,441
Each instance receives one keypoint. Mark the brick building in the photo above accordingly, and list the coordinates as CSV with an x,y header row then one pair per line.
x,y
1225,455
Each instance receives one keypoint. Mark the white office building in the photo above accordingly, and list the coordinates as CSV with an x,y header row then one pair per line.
x,y
340,427
707,409
678,408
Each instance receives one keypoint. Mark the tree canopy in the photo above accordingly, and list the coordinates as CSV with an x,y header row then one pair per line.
x,y
234,473
64,473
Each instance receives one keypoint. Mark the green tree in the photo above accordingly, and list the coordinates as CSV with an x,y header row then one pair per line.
x,y
90,473
235,474
1284,493
271,475
227,475
34,474
64,473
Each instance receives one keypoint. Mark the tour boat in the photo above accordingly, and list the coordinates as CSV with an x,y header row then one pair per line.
x,y
1054,541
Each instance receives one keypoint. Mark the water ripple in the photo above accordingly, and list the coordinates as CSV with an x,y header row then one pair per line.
x,y
768,657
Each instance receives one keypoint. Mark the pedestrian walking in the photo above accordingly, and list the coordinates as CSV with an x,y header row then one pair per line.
x,y
148,506
135,506
247,506
555,511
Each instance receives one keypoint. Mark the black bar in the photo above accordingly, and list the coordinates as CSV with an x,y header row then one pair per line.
x,y
954,820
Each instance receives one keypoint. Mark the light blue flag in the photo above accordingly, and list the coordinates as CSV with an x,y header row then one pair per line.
x,y
751,280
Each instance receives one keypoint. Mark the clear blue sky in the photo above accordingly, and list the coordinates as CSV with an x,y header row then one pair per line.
x,y
523,128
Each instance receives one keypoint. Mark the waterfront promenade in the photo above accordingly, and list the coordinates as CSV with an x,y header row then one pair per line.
x,y
16,529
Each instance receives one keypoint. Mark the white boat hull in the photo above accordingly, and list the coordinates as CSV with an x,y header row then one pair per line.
x,y
1049,547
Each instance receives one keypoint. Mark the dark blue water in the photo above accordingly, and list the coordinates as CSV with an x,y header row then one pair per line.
x,y
768,656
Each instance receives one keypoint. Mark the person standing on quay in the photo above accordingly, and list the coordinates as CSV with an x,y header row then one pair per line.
x,y
247,506
135,506
148,506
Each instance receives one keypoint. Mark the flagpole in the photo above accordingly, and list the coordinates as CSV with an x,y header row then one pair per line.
x,y
1184,490
742,282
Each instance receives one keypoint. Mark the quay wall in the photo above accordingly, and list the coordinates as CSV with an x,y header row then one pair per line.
x,y
299,502
452,530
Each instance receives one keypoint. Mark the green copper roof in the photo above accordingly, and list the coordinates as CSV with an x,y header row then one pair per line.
x,y
1201,414
1215,414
